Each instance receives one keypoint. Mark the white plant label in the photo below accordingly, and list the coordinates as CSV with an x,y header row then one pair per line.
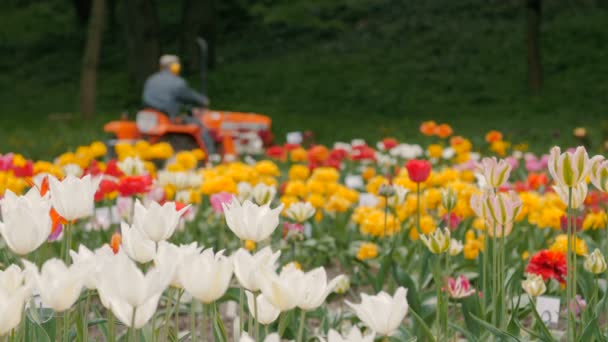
x,y
548,309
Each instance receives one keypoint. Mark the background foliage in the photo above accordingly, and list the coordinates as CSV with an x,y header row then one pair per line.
x,y
343,68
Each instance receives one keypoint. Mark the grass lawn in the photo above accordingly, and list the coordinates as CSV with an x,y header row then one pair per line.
x,y
462,63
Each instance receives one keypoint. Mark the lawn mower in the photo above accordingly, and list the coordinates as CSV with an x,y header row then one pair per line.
x,y
234,133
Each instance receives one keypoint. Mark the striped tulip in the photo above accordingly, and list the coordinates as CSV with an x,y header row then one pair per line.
x,y
568,168
494,171
579,193
502,208
599,173
437,242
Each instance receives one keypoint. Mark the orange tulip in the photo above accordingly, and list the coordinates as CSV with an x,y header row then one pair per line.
x,y
443,131
493,136
428,128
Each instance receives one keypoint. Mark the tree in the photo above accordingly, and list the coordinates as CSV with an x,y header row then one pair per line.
x,y
142,27
535,69
90,61
198,19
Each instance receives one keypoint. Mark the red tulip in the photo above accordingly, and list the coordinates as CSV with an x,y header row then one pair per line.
x,y
418,170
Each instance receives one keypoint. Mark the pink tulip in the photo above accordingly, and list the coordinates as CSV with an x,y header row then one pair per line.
x,y
459,287
217,201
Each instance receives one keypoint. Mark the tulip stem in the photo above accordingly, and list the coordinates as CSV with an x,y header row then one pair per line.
x,y
68,242
447,299
180,292
301,327
241,310
484,286
569,274
192,322
85,323
111,327
66,325
257,321
133,330
203,323
418,208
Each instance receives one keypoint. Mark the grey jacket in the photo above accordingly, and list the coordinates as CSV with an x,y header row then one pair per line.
x,y
167,92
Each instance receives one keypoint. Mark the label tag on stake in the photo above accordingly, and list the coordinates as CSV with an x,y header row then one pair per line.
x,y
548,309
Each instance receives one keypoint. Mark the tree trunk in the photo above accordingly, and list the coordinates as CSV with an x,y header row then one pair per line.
x,y
142,28
90,62
198,19
535,69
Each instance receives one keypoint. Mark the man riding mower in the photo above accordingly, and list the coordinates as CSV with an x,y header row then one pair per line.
x,y
164,94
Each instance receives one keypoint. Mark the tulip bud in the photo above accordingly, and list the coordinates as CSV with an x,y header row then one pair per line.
x,y
342,285
437,242
496,173
534,285
386,190
595,262
569,169
418,170
448,199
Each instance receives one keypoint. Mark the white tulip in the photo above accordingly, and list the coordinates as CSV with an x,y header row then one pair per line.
x,y
284,291
263,193
157,222
399,197
171,256
300,211
354,335
247,267
137,246
206,276
455,247
382,313
13,294
59,286
90,263
128,292
244,190
132,166
73,198
26,221
315,288
250,221
267,313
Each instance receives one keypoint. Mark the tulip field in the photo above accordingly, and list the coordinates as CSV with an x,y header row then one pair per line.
x,y
358,241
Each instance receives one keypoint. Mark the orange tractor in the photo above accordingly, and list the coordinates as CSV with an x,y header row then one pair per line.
x,y
233,133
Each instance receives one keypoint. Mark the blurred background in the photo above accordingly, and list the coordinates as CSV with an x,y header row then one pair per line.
x,y
534,69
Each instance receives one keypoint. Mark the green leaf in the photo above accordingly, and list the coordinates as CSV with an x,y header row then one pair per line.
x,y
284,322
464,332
425,328
591,329
540,325
495,331
219,330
